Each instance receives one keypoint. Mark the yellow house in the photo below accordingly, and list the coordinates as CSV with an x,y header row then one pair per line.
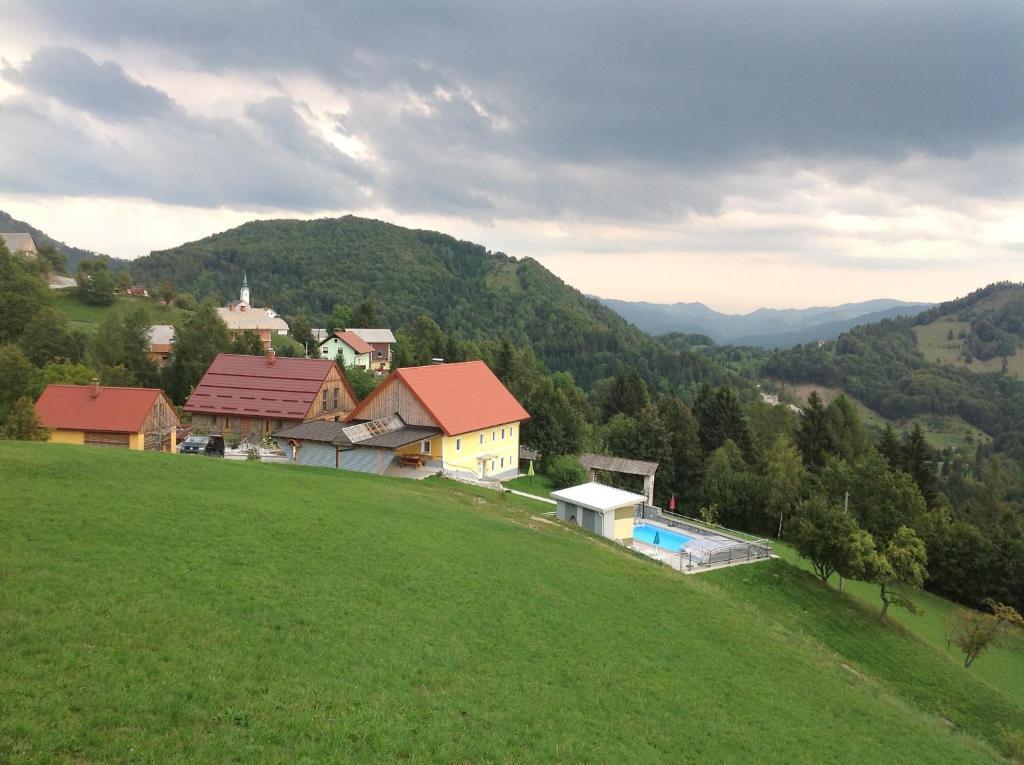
x,y
126,418
477,419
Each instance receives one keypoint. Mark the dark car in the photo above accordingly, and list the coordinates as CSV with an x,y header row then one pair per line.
x,y
211,446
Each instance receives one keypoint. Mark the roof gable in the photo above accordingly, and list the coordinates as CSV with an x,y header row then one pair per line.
x,y
353,341
115,410
460,397
252,386
371,335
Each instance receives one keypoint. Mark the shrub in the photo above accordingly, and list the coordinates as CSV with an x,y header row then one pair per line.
x,y
565,470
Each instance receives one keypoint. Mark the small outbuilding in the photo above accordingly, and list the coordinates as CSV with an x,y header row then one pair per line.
x,y
601,509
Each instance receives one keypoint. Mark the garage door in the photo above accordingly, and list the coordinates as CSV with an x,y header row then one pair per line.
x,y
117,440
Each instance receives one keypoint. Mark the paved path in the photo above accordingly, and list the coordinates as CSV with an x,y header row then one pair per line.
x,y
532,496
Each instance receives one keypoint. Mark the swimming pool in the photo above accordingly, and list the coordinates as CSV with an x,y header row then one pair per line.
x,y
663,538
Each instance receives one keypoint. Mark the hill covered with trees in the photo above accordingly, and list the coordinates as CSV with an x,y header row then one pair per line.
x,y
307,268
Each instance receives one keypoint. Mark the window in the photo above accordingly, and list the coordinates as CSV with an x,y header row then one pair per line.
x,y
481,439
511,430
337,398
380,354
323,400
425,447
502,434
458,444
494,435
503,462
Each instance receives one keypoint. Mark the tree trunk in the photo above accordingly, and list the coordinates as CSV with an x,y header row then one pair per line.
x,y
885,602
779,535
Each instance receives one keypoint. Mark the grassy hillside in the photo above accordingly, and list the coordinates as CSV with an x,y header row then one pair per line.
x,y
908,368
942,431
161,608
73,254
85,317
310,266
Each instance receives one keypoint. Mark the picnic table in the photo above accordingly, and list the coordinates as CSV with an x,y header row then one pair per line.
x,y
412,460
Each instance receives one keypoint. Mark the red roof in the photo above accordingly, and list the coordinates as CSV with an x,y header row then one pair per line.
x,y
250,386
353,341
460,397
114,410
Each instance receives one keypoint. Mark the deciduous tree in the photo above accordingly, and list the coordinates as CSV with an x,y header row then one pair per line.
x,y
830,539
975,632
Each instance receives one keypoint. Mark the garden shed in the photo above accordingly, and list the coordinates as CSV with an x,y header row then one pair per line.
x,y
601,509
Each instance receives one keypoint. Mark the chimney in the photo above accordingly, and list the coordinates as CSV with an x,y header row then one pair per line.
x,y
271,356
95,386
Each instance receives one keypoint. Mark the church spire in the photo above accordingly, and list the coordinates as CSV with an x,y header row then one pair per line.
x,y
244,293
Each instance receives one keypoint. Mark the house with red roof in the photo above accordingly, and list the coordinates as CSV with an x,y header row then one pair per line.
x,y
348,348
258,395
97,415
475,418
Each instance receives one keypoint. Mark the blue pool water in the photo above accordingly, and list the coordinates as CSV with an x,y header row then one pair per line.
x,y
666,540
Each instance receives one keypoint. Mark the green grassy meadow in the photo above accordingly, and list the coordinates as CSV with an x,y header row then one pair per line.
x,y
160,608
934,343
85,317
532,484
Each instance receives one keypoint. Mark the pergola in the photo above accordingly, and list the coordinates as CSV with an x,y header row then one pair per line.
x,y
595,462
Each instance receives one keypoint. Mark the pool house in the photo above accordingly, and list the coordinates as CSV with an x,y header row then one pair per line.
x,y
600,509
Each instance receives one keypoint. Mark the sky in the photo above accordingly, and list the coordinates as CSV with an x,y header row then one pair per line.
x,y
779,154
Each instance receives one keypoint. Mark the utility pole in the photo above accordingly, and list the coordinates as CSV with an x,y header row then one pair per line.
x,y
846,509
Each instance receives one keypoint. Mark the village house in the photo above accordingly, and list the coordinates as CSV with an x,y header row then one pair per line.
x,y
142,419
380,341
241,316
347,348
161,343
456,418
258,395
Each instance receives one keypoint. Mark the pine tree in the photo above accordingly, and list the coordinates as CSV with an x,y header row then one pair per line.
x,y
918,459
197,341
847,434
815,438
684,440
889,447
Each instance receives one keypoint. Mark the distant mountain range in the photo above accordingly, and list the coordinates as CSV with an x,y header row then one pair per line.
x,y
765,327
9,224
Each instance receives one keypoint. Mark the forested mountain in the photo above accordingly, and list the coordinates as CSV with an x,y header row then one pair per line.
x,y
961,358
308,267
73,254
765,327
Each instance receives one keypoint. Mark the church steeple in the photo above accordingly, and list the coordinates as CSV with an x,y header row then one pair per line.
x,y
244,295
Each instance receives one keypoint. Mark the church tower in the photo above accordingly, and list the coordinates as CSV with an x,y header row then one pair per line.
x,y
244,295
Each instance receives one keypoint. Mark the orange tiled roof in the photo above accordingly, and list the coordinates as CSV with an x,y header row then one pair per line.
x,y
116,410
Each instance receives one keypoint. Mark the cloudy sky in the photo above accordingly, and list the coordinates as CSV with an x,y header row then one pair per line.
x,y
740,154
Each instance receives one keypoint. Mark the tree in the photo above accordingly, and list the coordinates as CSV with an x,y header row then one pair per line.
x,y
303,333
340,319
248,343
565,470
625,394
428,341
975,632
65,372
555,426
22,295
165,292
831,540
643,437
889,447
197,341
45,337
815,437
362,381
687,461
784,477
367,314
95,283
22,423
119,350
186,301
52,260
504,361
720,419
124,281
846,432
903,564
18,378
917,460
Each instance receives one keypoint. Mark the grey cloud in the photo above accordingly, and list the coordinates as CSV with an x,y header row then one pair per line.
x,y
181,158
628,111
104,90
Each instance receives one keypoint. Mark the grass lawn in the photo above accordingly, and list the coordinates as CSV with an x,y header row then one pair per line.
x,y
1001,666
280,342
85,317
159,608
532,484
934,343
